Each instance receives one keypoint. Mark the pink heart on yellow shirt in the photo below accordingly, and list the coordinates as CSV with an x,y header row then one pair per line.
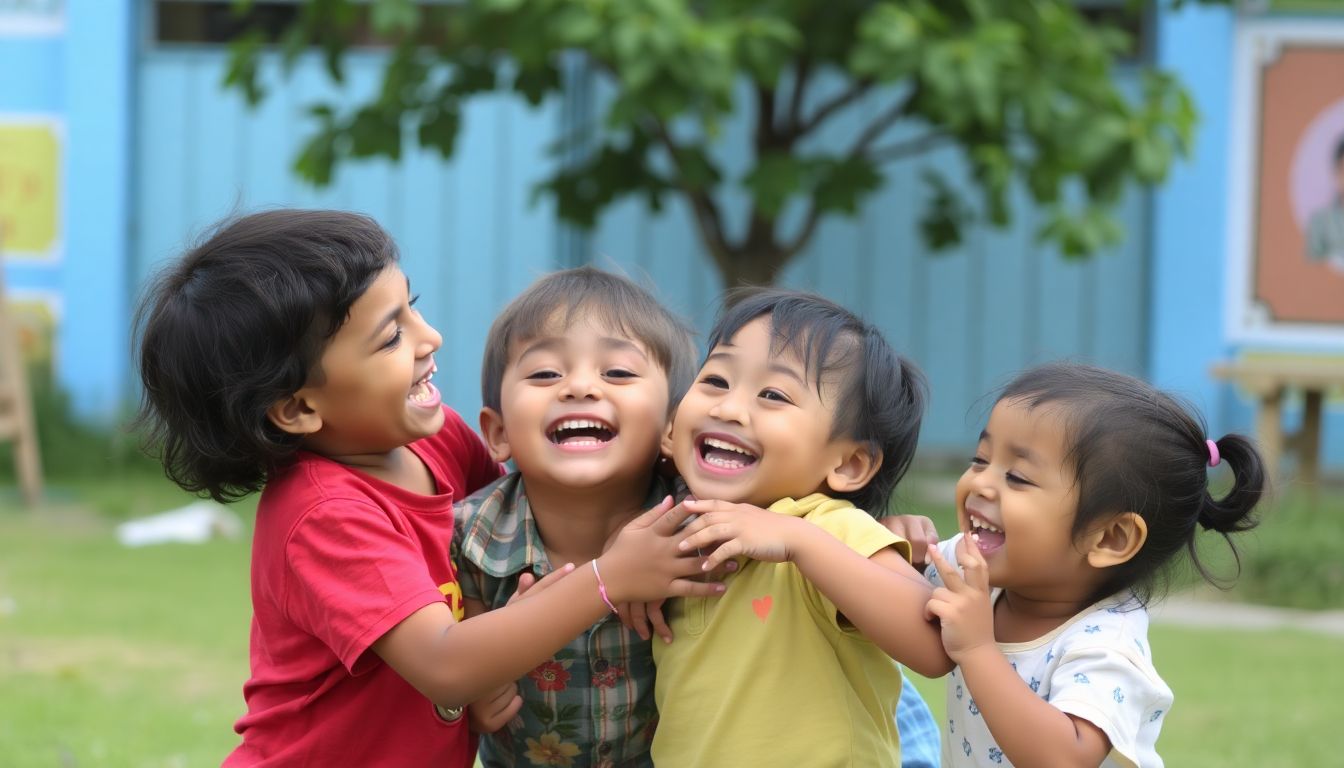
x,y
761,606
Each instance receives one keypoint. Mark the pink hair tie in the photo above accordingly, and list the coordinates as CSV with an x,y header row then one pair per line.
x,y
1214,458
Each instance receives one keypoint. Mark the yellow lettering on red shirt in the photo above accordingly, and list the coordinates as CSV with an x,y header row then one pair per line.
x,y
453,592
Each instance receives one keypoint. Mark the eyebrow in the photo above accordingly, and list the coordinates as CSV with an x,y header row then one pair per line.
x,y
774,367
552,343
391,315
1020,451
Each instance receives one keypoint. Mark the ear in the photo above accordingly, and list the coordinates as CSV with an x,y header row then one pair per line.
x,y
1117,541
496,439
855,466
666,446
295,415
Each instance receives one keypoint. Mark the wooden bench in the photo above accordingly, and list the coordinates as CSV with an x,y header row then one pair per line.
x,y
1270,380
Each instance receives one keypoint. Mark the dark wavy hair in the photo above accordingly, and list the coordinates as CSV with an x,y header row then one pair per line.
x,y
880,397
613,300
238,323
1134,448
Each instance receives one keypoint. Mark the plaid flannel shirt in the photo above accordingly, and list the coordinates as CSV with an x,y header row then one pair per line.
x,y
590,705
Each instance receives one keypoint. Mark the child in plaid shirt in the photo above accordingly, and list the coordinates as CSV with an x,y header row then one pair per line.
x,y
581,373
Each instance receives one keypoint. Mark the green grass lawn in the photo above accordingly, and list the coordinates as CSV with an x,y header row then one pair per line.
x,y
136,657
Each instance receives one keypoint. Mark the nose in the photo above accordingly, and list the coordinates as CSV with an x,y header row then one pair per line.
x,y
982,483
731,408
580,385
428,339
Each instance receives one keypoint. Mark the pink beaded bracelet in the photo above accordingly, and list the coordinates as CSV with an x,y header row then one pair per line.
x,y
602,588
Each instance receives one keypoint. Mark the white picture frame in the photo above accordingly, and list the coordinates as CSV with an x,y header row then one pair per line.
x,y
1264,233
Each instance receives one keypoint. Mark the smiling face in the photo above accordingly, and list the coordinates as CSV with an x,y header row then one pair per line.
x,y
580,407
1019,497
372,392
753,427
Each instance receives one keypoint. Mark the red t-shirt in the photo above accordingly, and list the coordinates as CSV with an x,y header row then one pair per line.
x,y
338,559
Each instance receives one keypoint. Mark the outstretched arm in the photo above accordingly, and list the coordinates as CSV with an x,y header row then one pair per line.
x,y
1026,727
882,596
455,663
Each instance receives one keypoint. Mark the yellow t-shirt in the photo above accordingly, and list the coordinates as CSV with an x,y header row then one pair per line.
x,y
765,675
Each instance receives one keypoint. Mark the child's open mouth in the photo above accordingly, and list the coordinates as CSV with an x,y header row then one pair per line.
x,y
581,433
725,455
423,393
988,537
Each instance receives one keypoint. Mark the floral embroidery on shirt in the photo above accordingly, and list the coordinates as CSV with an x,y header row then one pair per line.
x,y
551,675
608,677
550,750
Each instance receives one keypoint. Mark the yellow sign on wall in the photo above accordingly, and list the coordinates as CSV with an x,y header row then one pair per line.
x,y
29,176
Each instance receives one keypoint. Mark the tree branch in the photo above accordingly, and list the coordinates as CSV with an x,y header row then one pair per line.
x,y
841,101
707,217
903,149
810,221
801,73
881,123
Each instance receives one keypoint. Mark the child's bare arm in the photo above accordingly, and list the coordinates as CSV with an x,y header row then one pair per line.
x,y
455,663
882,596
1028,729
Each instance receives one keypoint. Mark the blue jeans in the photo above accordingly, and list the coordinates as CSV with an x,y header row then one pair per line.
x,y
919,734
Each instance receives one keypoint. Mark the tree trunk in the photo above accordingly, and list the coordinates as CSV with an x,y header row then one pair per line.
x,y
745,266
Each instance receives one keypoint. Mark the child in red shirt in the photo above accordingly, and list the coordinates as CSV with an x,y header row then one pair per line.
x,y
285,353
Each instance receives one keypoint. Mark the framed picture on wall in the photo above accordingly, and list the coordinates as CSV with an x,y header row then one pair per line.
x,y
1286,238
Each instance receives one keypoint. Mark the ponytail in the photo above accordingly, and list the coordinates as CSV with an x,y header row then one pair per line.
x,y
1236,511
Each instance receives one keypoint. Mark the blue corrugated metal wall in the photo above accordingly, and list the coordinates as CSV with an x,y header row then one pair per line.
x,y
969,316
470,240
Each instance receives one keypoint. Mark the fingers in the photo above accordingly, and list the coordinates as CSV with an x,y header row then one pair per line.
x,y
639,619
660,627
534,585
653,515
691,588
946,571
496,710
725,551
525,582
709,533
671,520
974,569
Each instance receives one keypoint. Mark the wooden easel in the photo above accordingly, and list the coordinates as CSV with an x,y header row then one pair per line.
x,y
17,425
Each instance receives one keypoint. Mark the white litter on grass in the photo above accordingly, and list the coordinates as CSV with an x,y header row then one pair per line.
x,y
193,524
8,606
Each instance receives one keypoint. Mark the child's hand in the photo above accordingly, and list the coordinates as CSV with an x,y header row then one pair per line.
x,y
643,617
644,562
919,531
496,710
529,584
739,529
963,604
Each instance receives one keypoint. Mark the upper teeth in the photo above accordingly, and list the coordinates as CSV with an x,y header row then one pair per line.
x,y
714,442
977,522
580,424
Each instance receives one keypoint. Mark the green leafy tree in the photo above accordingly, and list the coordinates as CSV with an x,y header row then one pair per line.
x,y
1025,91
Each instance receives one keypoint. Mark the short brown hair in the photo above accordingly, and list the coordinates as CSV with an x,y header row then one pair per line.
x,y
612,299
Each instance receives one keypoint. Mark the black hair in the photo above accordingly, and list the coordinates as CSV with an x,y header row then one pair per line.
x,y
1134,448
880,398
611,299
1339,151
235,325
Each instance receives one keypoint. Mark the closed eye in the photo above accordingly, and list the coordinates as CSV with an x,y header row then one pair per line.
x,y
976,461
393,342
1016,479
542,375
717,382
620,373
